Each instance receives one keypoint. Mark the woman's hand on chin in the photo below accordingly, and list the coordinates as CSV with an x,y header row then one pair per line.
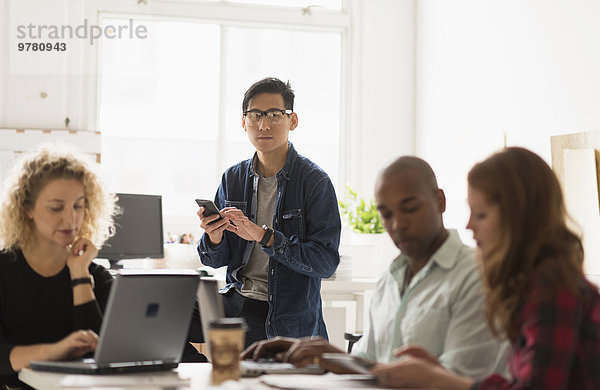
x,y
81,253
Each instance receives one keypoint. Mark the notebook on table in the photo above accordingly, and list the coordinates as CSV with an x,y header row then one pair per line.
x,y
144,327
210,306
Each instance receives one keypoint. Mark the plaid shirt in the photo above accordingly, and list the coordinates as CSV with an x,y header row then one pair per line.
x,y
559,342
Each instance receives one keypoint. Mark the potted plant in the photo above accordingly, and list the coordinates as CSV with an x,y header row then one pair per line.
x,y
362,215
370,249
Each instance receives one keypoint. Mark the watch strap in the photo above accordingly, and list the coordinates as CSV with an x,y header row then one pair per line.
x,y
78,281
267,236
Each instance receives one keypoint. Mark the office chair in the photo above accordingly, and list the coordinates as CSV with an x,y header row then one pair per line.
x,y
352,338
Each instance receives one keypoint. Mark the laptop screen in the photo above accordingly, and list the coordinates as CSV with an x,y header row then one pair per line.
x,y
147,317
210,302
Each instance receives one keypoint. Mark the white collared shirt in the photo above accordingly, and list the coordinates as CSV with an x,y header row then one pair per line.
x,y
442,310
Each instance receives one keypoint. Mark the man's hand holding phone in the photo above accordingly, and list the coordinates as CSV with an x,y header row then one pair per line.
x,y
243,226
211,220
215,222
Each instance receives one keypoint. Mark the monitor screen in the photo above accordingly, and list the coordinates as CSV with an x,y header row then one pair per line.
x,y
139,229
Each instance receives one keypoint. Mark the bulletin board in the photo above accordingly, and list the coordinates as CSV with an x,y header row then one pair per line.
x,y
575,160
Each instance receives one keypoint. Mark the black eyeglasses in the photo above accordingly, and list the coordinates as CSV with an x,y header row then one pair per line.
x,y
273,116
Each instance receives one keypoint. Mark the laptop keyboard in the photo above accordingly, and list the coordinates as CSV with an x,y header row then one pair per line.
x,y
251,368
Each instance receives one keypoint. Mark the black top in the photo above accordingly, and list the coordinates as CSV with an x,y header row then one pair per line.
x,y
36,309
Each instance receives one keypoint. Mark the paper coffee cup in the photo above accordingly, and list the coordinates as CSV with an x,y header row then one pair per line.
x,y
226,337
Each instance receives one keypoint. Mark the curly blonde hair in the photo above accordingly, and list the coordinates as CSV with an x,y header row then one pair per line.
x,y
27,179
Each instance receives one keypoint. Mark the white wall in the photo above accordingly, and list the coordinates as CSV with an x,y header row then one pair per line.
x,y
524,68
384,87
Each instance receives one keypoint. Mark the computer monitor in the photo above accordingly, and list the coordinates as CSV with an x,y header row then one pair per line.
x,y
139,230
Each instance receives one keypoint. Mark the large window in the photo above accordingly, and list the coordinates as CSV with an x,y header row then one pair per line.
x,y
170,104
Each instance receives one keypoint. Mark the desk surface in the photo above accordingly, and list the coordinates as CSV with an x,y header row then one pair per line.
x,y
187,376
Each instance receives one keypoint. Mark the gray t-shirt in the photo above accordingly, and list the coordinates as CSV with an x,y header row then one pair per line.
x,y
254,274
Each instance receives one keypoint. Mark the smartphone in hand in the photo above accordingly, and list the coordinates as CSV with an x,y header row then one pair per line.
x,y
209,208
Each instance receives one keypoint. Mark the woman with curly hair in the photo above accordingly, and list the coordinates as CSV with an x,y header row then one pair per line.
x,y
536,293
54,213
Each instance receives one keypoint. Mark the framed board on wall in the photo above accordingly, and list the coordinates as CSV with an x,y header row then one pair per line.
x,y
576,162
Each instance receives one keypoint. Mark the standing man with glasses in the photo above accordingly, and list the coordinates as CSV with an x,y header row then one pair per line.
x,y
281,228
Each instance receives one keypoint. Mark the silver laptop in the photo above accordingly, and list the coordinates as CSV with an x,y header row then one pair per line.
x,y
210,305
144,327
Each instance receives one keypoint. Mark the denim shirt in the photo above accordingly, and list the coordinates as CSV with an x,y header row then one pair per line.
x,y
306,239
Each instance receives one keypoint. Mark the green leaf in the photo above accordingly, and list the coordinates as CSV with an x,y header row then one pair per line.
x,y
362,215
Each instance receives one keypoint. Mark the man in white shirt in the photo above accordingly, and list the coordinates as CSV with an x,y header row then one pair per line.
x,y
432,295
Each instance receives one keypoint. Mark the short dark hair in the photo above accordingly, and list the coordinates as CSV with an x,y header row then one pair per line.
x,y
413,163
270,85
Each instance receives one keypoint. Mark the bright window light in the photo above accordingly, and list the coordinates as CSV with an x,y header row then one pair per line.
x,y
159,104
296,56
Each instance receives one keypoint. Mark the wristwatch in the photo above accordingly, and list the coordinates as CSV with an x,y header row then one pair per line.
x,y
267,236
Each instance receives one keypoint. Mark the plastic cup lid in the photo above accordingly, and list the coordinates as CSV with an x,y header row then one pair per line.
x,y
228,323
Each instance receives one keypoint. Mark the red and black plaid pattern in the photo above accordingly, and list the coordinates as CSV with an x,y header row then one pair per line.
x,y
559,343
